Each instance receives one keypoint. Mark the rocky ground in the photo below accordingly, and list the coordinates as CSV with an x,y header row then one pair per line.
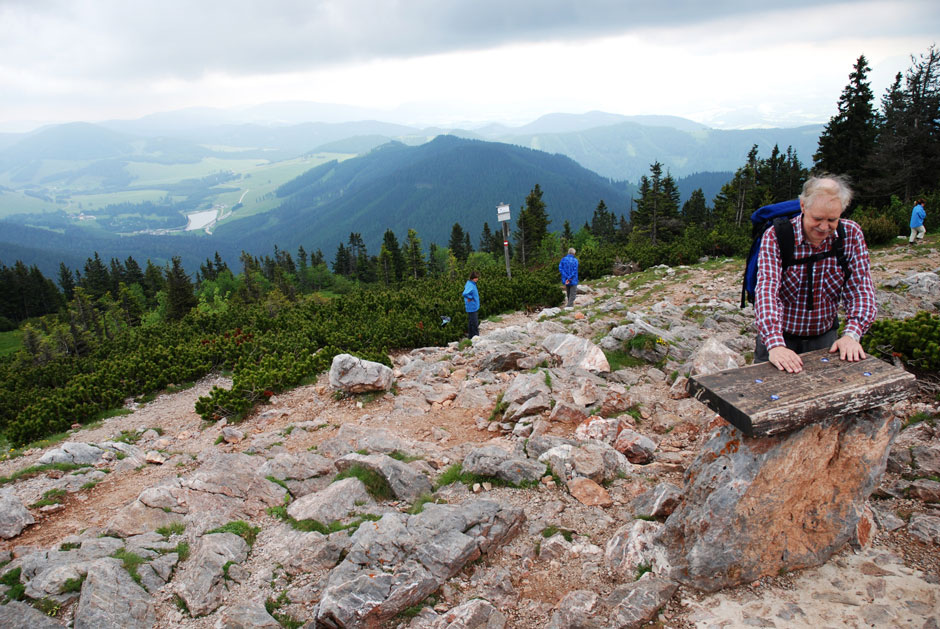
x,y
538,555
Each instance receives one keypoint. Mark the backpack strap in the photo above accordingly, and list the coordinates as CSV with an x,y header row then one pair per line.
x,y
786,239
787,245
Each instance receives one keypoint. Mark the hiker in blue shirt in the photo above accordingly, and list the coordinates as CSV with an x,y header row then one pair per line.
x,y
918,214
568,267
471,298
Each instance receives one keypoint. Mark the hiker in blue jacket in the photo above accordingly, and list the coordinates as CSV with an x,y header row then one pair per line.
x,y
918,214
471,298
568,267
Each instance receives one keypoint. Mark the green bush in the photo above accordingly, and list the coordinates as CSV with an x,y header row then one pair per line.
x,y
916,341
879,228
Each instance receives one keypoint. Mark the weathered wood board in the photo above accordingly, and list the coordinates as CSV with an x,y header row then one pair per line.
x,y
761,400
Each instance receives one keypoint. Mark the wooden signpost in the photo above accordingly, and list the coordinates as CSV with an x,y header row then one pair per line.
x,y
761,400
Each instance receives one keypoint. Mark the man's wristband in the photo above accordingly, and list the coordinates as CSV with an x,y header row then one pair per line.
x,y
853,335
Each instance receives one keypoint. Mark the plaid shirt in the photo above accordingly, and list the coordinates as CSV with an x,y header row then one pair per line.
x,y
780,303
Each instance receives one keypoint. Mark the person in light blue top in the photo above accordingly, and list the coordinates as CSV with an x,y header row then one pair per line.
x,y
918,215
471,299
568,267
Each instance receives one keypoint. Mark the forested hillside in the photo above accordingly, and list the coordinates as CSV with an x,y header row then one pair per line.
x,y
429,187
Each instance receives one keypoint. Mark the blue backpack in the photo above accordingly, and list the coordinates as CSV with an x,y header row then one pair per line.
x,y
778,215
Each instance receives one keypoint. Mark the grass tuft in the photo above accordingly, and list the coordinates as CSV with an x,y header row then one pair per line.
x,y
241,528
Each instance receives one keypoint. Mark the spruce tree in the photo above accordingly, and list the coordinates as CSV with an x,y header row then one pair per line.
x,y
415,264
457,243
533,225
179,292
849,137
390,242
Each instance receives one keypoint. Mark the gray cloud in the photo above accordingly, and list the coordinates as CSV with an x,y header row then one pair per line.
x,y
146,39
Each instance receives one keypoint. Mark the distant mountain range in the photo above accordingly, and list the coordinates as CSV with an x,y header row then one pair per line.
x,y
404,176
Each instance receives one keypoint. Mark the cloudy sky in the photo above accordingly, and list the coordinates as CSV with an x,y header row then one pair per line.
x,y
726,63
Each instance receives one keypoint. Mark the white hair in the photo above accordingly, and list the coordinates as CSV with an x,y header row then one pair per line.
x,y
826,184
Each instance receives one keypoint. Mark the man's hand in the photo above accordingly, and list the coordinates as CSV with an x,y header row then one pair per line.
x,y
849,349
785,359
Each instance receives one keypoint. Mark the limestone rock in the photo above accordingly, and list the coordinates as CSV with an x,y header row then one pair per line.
x,y
713,356
249,615
576,611
398,561
354,375
589,493
574,351
924,284
634,545
658,502
14,516
526,394
406,483
496,462
564,412
502,357
201,585
636,447
925,489
926,528
474,614
335,502
17,615
306,551
757,506
110,598
638,602
603,429
72,452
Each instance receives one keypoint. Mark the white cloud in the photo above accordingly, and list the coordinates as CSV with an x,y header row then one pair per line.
x,y
99,59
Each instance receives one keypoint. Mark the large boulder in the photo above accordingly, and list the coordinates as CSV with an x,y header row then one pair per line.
x,y
334,503
755,507
406,483
14,516
574,351
110,598
401,559
73,452
202,583
17,615
354,375
498,463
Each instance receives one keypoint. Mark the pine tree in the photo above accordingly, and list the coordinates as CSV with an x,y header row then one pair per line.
x,y
457,243
907,151
96,279
695,211
566,236
341,262
414,257
386,268
533,225
603,225
67,281
657,213
179,292
390,242
133,274
849,137
154,282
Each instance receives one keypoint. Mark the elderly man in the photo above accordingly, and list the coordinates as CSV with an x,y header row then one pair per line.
x,y
797,296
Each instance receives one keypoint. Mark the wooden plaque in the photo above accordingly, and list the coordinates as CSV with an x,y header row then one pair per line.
x,y
761,400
